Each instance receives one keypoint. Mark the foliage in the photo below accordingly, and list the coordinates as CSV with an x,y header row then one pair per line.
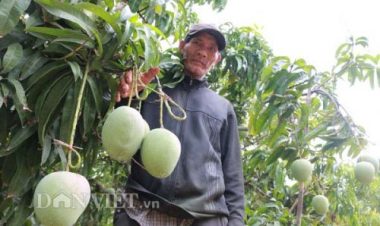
x,y
59,66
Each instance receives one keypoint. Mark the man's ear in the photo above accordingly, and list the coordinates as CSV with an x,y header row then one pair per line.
x,y
218,58
181,46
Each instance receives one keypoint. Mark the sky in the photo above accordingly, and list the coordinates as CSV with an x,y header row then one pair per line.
x,y
313,30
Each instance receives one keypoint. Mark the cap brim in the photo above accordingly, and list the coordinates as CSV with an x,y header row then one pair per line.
x,y
219,37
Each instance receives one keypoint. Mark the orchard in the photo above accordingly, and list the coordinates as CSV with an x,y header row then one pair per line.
x,y
62,137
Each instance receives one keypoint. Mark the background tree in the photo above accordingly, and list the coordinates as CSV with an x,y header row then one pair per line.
x,y
60,60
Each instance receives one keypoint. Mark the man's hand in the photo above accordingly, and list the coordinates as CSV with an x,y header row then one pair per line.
x,y
125,84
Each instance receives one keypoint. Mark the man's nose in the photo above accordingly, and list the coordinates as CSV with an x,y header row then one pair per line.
x,y
202,53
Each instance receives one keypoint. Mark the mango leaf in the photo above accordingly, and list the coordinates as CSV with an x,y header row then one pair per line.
x,y
20,182
46,148
34,62
313,133
12,57
334,143
49,106
280,130
10,12
19,98
75,68
343,49
69,12
6,203
96,94
4,89
68,112
3,125
44,73
274,155
128,30
151,56
19,92
109,3
61,153
363,41
18,139
265,118
24,210
88,112
100,12
1,99
61,34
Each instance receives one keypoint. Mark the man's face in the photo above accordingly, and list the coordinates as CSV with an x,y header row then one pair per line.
x,y
200,54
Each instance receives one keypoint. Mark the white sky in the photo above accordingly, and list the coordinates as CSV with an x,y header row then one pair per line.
x,y
313,29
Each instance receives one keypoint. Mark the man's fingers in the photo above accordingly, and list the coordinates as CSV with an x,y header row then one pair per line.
x,y
117,97
124,88
126,78
148,76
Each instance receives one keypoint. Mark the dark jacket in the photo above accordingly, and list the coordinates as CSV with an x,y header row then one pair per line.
x,y
208,179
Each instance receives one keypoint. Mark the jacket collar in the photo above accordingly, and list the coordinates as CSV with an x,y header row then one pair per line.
x,y
189,82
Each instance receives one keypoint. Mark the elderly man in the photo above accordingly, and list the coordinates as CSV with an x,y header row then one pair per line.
x,y
206,187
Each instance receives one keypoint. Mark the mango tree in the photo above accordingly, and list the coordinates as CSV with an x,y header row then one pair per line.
x,y
59,68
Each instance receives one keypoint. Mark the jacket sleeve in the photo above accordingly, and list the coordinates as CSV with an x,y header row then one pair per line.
x,y
232,170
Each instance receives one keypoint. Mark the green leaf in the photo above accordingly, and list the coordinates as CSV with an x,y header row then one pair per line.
x,y
46,148
12,57
17,139
274,156
343,50
20,182
4,89
3,126
62,34
50,105
24,210
151,56
44,73
110,3
363,41
19,92
315,132
69,12
128,31
158,9
88,113
62,155
265,118
10,12
75,68
97,95
280,130
1,98
18,96
68,112
370,75
34,62
100,12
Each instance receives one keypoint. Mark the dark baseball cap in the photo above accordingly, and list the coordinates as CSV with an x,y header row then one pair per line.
x,y
210,29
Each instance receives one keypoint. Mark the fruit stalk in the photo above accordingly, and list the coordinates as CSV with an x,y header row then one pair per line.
x,y
75,121
300,204
133,87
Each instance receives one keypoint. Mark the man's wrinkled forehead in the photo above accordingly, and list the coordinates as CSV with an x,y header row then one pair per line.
x,y
205,36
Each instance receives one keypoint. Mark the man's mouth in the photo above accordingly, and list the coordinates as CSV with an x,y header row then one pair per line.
x,y
199,63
